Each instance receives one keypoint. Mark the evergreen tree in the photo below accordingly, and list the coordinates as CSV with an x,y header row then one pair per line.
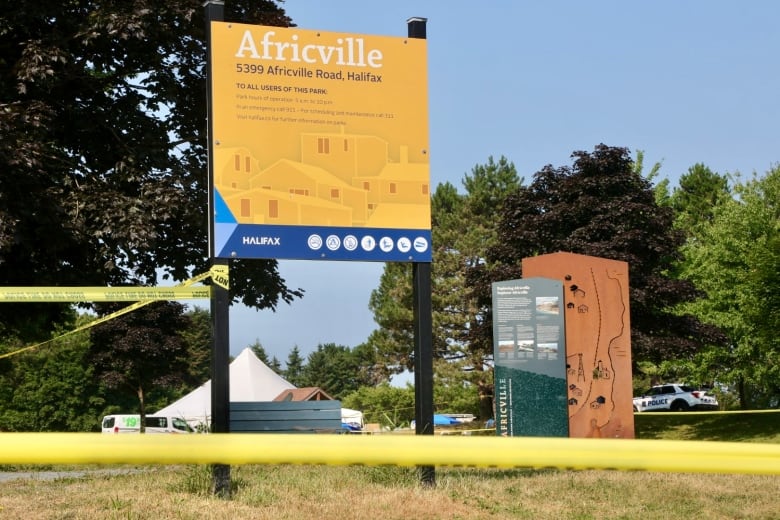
x,y
276,365
294,371
198,340
334,368
372,367
464,226
701,190
260,352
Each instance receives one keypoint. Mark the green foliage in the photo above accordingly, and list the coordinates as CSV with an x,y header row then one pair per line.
x,y
259,351
197,338
372,367
661,189
454,393
142,350
334,368
464,226
387,405
294,371
51,388
700,191
734,259
104,151
392,306
600,206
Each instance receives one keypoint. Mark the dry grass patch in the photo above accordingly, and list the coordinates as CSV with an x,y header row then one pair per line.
x,y
297,492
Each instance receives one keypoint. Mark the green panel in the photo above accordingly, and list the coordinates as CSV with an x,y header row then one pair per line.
x,y
529,351
530,404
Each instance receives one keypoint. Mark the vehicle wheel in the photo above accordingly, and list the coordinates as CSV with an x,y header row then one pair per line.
x,y
679,406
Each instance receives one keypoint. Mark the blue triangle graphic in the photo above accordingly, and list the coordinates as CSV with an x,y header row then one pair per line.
x,y
223,233
222,213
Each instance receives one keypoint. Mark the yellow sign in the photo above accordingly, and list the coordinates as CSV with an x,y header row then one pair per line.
x,y
220,276
313,128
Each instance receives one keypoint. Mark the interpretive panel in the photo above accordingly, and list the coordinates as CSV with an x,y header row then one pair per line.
x,y
530,358
598,332
320,145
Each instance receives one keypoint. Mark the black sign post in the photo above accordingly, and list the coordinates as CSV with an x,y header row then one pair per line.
x,y
220,299
423,327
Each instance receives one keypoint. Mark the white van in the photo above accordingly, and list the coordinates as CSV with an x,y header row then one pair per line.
x,y
154,424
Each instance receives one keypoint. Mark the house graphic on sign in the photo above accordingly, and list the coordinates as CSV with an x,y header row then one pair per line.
x,y
341,179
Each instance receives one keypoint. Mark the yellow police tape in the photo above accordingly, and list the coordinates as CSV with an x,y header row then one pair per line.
x,y
401,450
218,273
141,295
100,294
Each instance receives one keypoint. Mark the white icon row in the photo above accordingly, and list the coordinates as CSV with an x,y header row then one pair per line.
x,y
367,243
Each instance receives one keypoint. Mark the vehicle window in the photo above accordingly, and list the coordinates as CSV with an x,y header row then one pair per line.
x,y
686,388
108,422
667,389
156,422
180,424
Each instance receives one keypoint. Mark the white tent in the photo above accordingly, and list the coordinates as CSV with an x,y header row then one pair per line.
x,y
250,380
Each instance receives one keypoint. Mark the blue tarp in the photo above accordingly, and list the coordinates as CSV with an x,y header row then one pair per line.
x,y
443,420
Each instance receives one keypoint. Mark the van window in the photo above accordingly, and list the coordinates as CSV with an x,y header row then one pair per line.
x,y
156,422
108,422
181,424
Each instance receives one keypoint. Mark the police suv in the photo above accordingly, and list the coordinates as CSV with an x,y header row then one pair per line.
x,y
675,398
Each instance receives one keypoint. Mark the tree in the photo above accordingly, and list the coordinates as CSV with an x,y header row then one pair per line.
x,y
334,368
601,207
52,388
384,404
701,190
661,187
294,371
735,260
372,367
198,339
142,351
259,351
464,226
275,365
103,118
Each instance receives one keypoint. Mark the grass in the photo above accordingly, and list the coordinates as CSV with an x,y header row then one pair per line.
x,y
761,426
337,492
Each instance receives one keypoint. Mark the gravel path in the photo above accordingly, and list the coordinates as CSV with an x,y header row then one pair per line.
x,y
5,476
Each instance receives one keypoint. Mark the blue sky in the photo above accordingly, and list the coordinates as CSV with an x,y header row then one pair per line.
x,y
686,82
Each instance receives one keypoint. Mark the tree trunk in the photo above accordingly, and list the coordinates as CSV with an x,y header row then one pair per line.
x,y
142,409
743,400
485,392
